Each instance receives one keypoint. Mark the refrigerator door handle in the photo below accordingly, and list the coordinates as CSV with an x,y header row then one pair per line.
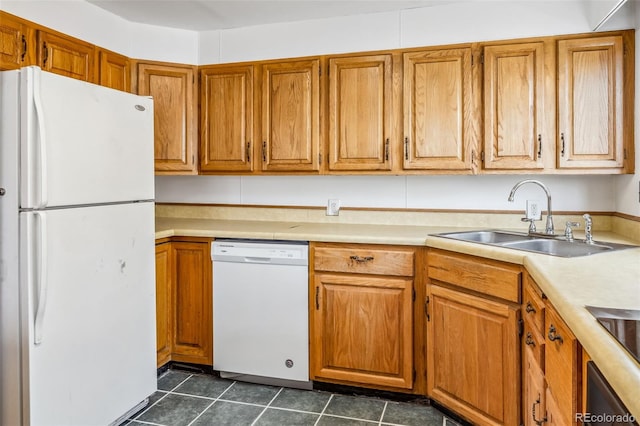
x,y
42,145
41,276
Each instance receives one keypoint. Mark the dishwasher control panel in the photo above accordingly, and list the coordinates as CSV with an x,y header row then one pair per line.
x,y
260,251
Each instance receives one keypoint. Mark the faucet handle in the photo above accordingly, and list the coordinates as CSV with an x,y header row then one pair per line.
x,y
568,230
588,222
532,225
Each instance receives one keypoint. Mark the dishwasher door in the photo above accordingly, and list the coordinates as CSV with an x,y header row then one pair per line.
x,y
260,311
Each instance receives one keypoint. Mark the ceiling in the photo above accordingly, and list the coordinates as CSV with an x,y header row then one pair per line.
x,y
206,15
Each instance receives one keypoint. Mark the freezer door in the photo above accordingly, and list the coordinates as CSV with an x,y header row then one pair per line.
x,y
89,340
82,143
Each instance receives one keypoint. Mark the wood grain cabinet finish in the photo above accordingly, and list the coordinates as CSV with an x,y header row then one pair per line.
x,y
473,341
226,118
360,113
68,56
174,94
17,43
114,70
362,320
438,110
184,301
518,106
291,116
592,121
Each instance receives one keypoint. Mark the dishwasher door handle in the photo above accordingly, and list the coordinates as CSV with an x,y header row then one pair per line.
x,y
248,259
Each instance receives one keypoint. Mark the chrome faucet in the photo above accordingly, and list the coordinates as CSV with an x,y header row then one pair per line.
x,y
588,238
549,229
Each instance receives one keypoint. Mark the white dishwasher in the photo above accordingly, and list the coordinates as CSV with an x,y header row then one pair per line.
x,y
260,311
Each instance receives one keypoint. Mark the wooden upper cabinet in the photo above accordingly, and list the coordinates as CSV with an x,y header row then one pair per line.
x,y
114,70
291,116
517,106
360,113
66,56
226,110
16,42
174,94
591,103
438,110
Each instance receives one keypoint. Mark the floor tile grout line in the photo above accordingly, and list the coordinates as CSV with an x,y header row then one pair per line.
x,y
216,399
160,399
266,407
323,410
384,409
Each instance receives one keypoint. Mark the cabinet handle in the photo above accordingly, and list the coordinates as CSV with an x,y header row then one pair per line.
x,y
386,150
361,259
539,146
317,298
529,341
24,48
562,142
529,308
248,152
553,336
406,148
533,412
264,151
45,54
426,308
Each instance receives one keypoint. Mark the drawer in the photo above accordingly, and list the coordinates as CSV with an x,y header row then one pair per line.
x,y
533,307
365,260
476,274
534,342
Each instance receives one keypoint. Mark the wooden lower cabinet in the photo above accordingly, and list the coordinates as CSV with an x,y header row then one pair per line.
x,y
473,341
184,301
362,316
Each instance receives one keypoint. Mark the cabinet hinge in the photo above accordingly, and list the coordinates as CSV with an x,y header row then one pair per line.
x,y
520,327
319,159
415,374
426,308
482,58
624,153
413,295
320,71
482,156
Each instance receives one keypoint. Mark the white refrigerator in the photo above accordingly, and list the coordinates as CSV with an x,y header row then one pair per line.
x,y
77,274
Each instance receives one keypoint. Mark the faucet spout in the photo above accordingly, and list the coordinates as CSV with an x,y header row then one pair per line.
x,y
549,228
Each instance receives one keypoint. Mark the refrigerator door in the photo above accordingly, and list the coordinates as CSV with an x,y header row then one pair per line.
x,y
82,143
88,345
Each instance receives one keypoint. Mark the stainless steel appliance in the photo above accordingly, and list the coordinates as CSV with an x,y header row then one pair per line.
x,y
77,287
260,311
623,324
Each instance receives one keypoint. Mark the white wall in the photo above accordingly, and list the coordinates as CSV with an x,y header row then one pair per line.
x,y
452,23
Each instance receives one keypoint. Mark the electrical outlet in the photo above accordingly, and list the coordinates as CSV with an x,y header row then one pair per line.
x,y
333,207
533,210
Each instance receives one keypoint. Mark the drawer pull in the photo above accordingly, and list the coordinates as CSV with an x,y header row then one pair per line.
x,y
529,340
529,308
533,412
360,259
553,336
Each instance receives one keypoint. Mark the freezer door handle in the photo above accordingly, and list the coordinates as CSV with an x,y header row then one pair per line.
x,y
41,276
42,145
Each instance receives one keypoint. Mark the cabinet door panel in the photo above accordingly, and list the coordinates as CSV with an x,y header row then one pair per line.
x,y
363,330
115,71
590,102
226,118
173,90
66,56
16,45
438,109
533,391
291,116
473,361
514,93
163,303
360,97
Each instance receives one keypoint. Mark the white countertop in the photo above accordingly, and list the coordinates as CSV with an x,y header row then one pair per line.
x,y
606,279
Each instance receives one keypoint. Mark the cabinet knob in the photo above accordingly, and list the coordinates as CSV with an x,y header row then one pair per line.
x,y
529,308
553,336
529,340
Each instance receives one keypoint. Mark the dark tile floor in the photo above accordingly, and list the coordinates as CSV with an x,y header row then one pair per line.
x,y
185,399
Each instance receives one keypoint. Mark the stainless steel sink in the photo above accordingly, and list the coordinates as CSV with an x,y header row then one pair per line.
x,y
553,246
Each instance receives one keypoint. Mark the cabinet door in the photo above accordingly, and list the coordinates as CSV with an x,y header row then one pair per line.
x,y
226,110
590,102
514,106
192,303
175,127
115,71
362,330
360,116
533,390
291,116
66,56
438,110
16,42
164,313
473,357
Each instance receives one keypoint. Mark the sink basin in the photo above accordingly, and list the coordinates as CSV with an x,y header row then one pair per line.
x,y
553,246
